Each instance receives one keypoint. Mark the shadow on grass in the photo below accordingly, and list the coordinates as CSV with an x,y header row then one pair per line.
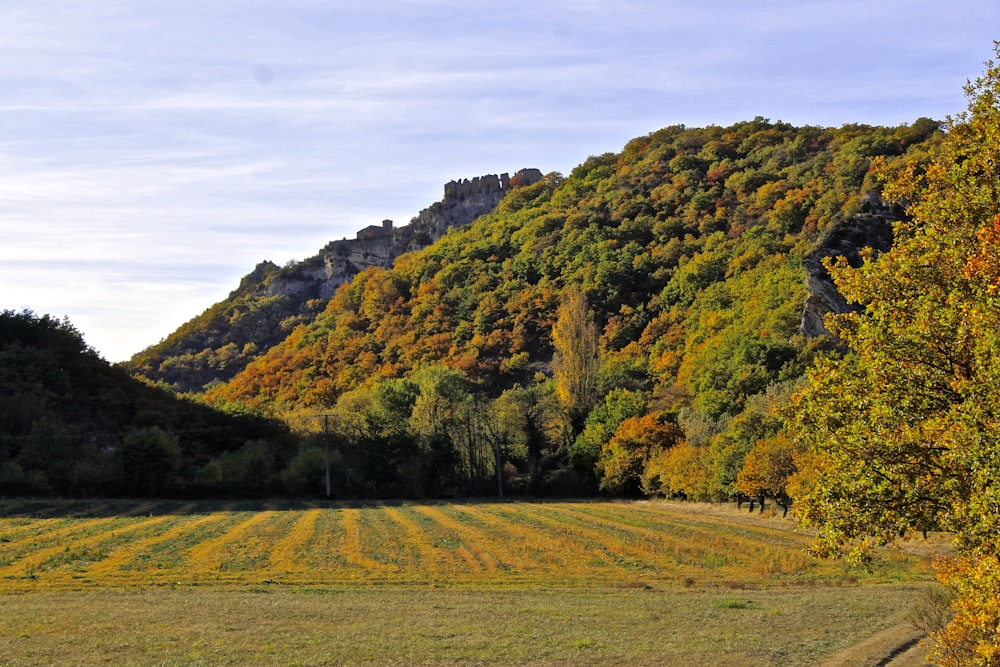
x,y
97,508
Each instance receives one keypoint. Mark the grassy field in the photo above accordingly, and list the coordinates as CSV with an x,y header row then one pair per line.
x,y
173,583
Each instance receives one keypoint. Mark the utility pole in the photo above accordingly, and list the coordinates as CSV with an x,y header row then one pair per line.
x,y
326,451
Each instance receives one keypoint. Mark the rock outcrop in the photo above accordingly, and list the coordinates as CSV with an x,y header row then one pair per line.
x,y
380,245
872,228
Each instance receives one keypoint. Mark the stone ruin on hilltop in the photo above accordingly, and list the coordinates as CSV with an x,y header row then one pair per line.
x,y
491,183
380,245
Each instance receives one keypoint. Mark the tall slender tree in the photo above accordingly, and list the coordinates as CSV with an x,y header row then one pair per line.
x,y
576,362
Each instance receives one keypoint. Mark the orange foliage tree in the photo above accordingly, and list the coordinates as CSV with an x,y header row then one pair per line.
x,y
767,469
637,441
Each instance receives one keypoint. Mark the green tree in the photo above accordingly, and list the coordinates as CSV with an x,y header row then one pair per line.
x,y
528,424
49,453
150,462
374,426
905,434
601,424
245,471
760,420
306,471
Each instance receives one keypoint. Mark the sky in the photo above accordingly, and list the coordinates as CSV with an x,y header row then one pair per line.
x,y
152,152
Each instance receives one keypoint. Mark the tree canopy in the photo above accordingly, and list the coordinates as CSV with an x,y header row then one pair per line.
x,y
72,424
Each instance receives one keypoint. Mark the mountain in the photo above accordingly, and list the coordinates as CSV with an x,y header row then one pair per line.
x,y
632,327
271,300
689,245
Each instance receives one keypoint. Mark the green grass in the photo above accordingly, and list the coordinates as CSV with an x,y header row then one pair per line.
x,y
420,626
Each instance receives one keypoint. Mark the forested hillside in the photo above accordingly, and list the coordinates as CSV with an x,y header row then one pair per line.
x,y
675,270
71,424
219,342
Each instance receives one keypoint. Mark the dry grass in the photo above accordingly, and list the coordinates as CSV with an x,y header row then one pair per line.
x,y
473,544
555,583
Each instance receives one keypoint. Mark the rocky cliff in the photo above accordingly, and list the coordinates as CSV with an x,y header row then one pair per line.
x,y
380,245
872,228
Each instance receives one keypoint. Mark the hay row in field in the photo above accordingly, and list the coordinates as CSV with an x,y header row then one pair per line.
x,y
453,544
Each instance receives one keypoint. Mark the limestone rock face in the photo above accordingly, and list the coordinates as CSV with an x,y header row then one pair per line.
x,y
872,228
379,246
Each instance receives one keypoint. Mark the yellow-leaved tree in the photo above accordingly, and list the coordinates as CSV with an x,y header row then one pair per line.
x,y
576,362
903,435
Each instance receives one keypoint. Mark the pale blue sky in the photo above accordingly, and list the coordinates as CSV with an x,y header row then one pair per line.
x,y
153,151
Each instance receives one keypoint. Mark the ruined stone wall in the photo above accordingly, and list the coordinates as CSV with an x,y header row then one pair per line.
x,y
478,185
491,183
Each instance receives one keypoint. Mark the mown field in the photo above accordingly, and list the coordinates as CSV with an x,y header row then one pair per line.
x,y
170,582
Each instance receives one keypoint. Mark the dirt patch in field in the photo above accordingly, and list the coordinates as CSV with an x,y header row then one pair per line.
x,y
899,646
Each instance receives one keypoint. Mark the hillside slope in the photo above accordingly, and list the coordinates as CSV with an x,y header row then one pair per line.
x,y
688,245
72,424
